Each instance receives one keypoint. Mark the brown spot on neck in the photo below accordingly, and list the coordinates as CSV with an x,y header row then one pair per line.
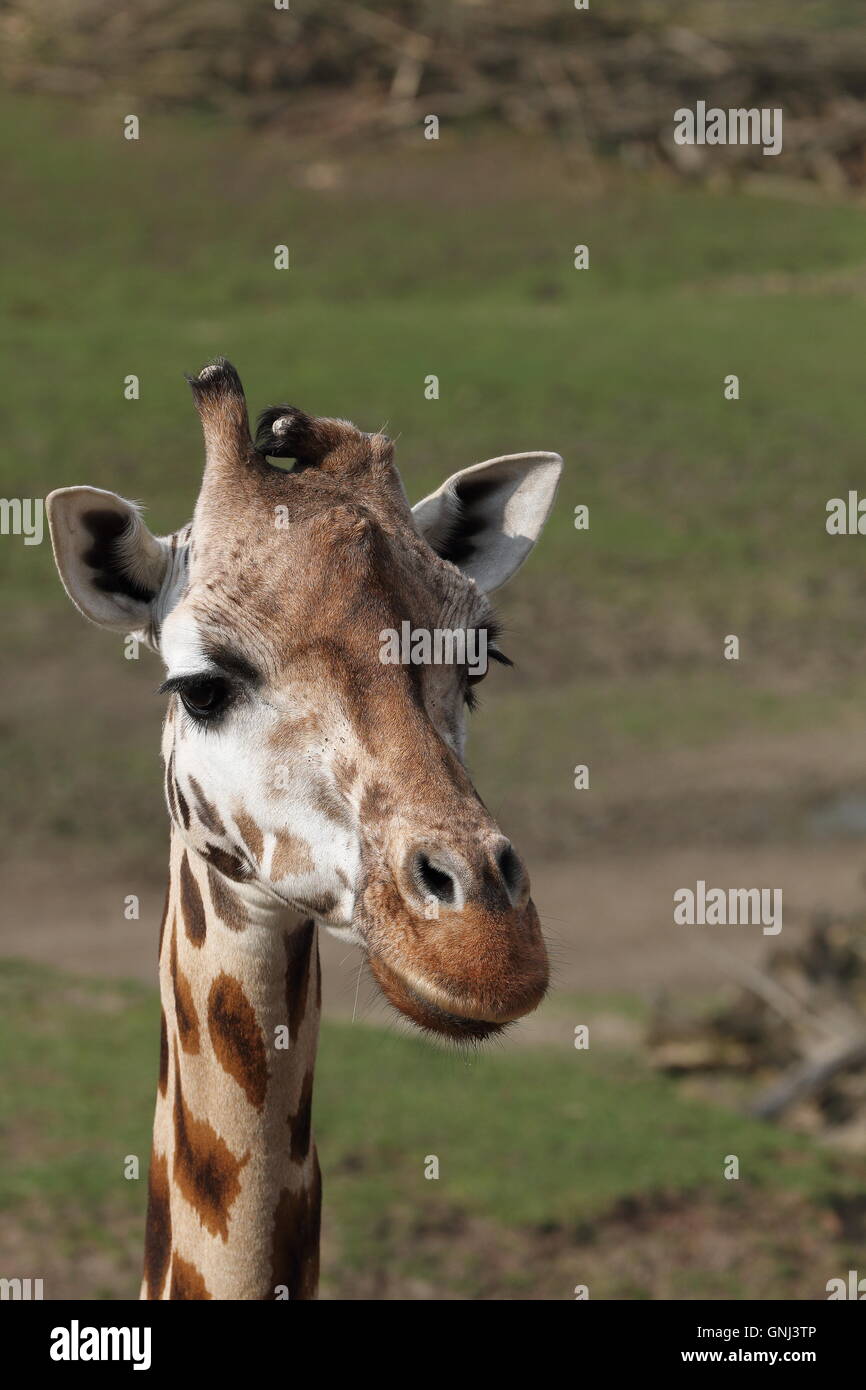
x,y
205,1169
299,948
191,904
157,1238
301,1121
237,1038
185,1014
295,1254
164,919
186,1280
163,1054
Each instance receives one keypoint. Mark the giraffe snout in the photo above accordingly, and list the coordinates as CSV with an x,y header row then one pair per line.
x,y
453,937
435,877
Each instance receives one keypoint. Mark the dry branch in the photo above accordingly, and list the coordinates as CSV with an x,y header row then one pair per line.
x,y
798,1024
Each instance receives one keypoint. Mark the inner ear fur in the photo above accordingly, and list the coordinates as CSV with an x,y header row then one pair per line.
x,y
111,566
486,518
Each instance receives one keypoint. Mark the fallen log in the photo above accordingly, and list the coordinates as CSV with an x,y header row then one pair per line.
x,y
809,1077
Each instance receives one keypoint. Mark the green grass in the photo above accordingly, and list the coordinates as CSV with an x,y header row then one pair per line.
x,y
81,1062
527,1140
151,258
592,1131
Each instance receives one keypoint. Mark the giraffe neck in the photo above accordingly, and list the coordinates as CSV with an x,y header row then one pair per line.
x,y
234,1192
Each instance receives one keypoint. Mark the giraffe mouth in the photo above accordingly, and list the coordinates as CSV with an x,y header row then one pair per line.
x,y
428,1014
438,1020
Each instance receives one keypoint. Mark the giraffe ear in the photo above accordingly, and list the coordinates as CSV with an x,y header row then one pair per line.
x,y
111,566
487,518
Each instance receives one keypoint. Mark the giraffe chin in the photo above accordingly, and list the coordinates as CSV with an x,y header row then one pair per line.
x,y
428,1015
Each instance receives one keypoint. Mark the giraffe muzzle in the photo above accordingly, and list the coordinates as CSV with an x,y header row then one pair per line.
x,y
465,971
461,1018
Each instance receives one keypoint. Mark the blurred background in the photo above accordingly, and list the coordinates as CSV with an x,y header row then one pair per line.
x,y
454,257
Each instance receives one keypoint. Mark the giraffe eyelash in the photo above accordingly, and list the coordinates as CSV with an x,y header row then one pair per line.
x,y
204,713
469,695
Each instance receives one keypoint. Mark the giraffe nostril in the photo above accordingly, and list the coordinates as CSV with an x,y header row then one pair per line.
x,y
511,868
433,881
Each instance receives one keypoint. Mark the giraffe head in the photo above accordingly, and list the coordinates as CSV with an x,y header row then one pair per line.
x,y
307,759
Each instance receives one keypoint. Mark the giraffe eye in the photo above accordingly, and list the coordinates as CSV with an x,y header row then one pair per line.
x,y
204,697
494,654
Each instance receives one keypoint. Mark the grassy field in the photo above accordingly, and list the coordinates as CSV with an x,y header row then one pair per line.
x,y
556,1168
706,518
706,515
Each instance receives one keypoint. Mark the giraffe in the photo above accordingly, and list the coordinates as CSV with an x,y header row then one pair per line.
x,y
309,783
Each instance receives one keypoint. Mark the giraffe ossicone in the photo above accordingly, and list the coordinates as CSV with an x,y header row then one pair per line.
x,y
308,783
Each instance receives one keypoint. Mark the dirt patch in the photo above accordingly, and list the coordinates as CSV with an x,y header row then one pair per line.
x,y
102,1261
757,1245
760,1246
